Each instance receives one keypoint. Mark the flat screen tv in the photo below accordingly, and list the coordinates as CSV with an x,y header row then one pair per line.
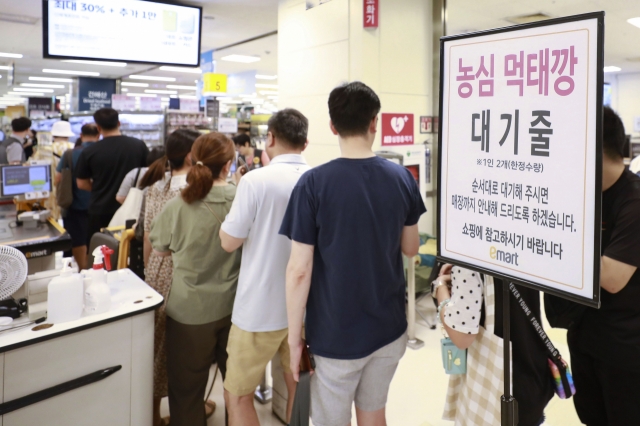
x,y
136,31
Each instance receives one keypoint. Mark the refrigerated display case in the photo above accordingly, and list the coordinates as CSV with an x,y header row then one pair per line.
x,y
43,124
187,120
146,126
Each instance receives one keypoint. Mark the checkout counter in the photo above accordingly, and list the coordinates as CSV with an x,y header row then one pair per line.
x,y
95,370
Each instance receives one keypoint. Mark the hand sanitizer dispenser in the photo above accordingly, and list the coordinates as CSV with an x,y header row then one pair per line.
x,y
64,296
97,297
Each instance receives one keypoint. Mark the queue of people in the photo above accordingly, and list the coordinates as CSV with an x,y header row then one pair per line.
x,y
248,267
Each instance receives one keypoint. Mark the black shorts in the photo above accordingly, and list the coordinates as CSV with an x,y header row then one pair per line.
x,y
76,222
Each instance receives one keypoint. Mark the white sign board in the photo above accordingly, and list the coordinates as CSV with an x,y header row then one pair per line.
x,y
520,153
150,104
123,102
227,125
190,105
122,30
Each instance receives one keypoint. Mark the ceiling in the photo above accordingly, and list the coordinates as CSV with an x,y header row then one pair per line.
x,y
225,22
621,38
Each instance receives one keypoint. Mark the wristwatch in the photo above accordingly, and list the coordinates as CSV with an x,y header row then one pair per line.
x,y
435,285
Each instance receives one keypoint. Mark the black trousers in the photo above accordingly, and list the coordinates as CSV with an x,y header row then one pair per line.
x,y
606,390
97,222
191,349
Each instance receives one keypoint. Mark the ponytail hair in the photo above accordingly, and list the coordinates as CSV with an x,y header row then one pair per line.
x,y
177,148
209,155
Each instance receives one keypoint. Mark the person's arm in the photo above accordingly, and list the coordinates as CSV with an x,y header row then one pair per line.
x,y
235,229
264,157
621,258
298,284
146,249
461,340
410,242
161,233
58,178
615,275
84,184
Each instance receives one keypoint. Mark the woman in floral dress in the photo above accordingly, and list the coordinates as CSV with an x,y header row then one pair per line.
x,y
162,186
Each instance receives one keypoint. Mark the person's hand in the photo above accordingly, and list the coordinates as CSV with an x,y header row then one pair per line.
x,y
444,292
446,269
242,170
295,350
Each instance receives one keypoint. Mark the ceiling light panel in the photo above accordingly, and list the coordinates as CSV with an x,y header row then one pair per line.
x,y
101,63
5,67
20,19
27,94
174,86
87,73
162,92
241,58
132,84
10,55
266,77
143,95
59,80
266,86
26,89
634,21
182,69
151,78
612,69
50,86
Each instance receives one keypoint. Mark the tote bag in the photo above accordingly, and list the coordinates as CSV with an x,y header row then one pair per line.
x,y
473,399
64,189
130,209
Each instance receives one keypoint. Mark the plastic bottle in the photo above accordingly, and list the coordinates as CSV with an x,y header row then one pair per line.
x,y
97,297
64,296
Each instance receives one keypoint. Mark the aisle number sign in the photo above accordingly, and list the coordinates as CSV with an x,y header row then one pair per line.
x,y
520,154
214,83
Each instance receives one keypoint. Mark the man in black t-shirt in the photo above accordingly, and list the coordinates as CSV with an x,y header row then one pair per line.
x,y
102,167
605,344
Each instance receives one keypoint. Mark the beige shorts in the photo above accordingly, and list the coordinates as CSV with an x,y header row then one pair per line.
x,y
249,353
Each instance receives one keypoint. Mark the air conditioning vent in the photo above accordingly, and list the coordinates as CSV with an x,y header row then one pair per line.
x,y
527,19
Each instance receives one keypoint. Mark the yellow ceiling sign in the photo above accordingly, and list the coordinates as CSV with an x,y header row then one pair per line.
x,y
214,83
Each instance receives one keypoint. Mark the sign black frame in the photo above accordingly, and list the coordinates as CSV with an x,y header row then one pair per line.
x,y
45,38
599,16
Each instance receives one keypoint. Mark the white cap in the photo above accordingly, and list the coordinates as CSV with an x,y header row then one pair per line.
x,y
62,129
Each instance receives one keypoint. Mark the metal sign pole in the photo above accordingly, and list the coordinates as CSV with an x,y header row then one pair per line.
x,y
508,402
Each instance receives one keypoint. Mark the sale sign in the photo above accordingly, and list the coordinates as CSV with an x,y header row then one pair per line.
x,y
397,129
519,191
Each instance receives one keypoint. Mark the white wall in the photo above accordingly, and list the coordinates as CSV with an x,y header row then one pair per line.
x,y
626,98
321,48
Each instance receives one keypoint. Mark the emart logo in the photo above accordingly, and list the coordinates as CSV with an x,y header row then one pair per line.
x,y
502,256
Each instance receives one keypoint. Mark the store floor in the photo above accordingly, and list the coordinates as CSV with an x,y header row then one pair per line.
x,y
418,389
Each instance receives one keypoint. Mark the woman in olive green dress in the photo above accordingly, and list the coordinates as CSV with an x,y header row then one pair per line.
x,y
204,279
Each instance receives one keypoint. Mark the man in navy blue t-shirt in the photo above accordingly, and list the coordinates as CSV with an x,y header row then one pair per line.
x,y
350,220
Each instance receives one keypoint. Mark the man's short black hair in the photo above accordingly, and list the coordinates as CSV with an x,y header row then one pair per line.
x,y
242,139
106,118
89,129
352,106
20,124
290,126
613,136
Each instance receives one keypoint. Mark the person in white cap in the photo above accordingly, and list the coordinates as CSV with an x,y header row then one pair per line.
x,y
61,132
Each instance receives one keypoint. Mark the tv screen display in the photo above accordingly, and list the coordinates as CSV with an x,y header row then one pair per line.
x,y
122,30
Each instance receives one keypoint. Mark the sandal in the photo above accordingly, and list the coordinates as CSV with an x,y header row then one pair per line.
x,y
209,408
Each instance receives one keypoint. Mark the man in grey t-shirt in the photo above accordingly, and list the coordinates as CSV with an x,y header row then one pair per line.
x,y
11,150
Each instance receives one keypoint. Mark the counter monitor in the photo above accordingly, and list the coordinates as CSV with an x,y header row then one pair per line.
x,y
19,180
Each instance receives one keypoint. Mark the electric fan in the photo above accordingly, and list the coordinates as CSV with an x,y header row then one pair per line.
x,y
13,271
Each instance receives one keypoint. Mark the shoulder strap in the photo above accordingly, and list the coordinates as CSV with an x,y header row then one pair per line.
x,y
135,182
211,210
537,325
489,304
67,159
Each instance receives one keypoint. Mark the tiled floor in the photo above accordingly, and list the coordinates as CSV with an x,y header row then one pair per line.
x,y
418,390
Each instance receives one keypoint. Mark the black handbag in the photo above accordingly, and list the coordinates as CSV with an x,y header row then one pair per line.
x,y
302,402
